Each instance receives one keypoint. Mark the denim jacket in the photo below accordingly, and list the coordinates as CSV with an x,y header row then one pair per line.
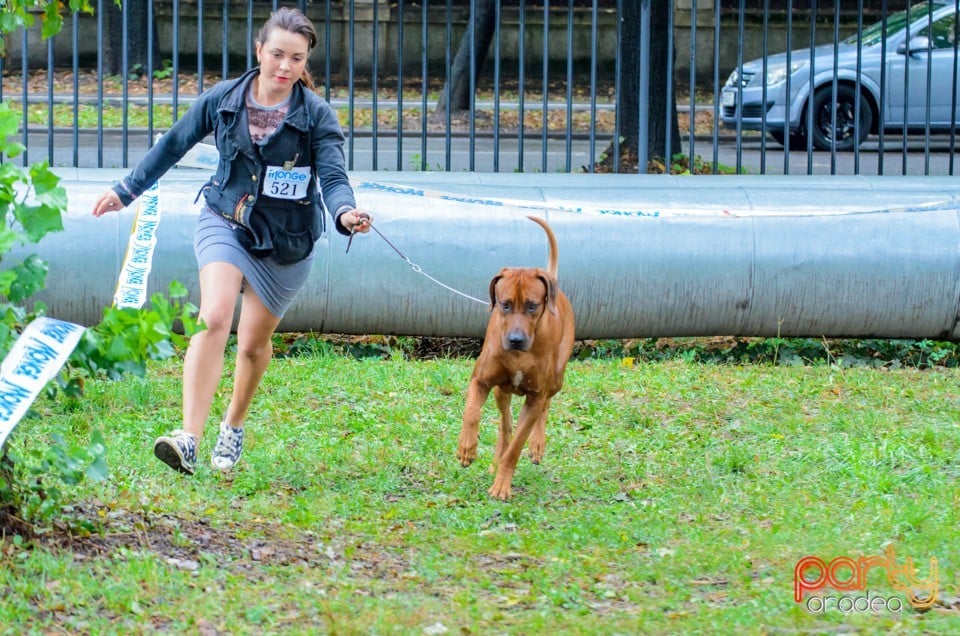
x,y
309,139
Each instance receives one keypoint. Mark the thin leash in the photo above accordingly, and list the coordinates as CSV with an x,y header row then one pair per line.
x,y
416,268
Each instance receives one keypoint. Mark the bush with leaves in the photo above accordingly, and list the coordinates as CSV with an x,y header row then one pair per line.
x,y
31,205
18,14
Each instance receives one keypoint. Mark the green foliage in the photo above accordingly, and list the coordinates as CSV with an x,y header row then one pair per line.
x,y
136,72
31,201
165,72
16,14
851,352
31,205
127,338
681,164
417,165
36,490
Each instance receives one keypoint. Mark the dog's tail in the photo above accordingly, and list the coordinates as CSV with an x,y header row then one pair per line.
x,y
553,258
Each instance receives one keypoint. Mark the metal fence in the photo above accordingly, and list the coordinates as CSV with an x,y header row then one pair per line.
x,y
547,97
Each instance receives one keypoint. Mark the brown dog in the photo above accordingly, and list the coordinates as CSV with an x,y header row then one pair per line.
x,y
528,341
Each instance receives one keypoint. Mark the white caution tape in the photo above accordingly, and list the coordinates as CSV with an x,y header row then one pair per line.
x,y
36,357
392,188
206,156
44,346
132,286
406,190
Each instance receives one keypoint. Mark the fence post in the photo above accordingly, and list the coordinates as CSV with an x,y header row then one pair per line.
x,y
644,96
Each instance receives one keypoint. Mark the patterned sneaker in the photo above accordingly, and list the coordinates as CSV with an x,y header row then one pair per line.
x,y
178,450
228,448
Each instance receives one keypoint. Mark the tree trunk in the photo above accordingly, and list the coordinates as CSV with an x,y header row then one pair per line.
x,y
628,104
483,25
137,19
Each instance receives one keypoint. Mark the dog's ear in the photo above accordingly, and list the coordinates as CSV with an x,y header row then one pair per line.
x,y
552,286
493,290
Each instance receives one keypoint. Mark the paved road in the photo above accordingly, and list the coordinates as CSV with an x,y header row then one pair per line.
x,y
562,155
918,158
106,151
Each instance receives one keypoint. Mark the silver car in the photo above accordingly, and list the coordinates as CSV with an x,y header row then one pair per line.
x,y
908,81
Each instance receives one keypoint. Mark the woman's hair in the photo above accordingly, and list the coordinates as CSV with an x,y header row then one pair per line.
x,y
292,21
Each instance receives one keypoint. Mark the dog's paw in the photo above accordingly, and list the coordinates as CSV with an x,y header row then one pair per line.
x,y
500,489
536,453
537,443
466,455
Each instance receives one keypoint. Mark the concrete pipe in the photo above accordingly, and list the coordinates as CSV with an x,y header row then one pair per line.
x,y
640,256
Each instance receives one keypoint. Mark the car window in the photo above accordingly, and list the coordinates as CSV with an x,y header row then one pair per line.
x,y
895,23
942,33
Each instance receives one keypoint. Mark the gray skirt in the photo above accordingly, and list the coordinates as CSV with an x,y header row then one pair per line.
x,y
275,284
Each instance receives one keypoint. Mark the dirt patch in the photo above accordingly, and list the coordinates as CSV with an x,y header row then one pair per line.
x,y
189,543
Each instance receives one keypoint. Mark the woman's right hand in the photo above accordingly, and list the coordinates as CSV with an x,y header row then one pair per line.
x,y
108,202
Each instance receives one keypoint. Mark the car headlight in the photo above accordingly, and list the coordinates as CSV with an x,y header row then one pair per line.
x,y
777,74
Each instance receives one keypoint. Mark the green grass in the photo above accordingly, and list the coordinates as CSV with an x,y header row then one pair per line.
x,y
675,497
91,116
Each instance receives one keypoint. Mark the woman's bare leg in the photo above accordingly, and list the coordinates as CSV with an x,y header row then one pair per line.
x,y
254,350
203,364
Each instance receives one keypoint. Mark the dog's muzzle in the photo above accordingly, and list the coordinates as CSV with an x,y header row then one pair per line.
x,y
516,340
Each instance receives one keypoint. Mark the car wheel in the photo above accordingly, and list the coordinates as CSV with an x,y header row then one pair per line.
x,y
845,108
797,140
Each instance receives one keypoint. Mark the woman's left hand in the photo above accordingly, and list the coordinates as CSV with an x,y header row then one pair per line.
x,y
356,220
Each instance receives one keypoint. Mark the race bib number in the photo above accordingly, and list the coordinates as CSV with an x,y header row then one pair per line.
x,y
283,183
